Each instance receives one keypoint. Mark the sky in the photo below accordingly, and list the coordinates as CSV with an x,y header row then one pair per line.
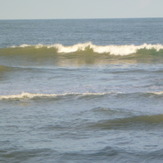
x,y
74,9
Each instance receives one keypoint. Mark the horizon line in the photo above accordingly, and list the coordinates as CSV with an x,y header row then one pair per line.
x,y
80,18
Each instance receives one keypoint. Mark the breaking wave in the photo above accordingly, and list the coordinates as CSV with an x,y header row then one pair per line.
x,y
116,50
157,93
26,95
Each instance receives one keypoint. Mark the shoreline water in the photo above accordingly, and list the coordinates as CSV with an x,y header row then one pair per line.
x,y
97,101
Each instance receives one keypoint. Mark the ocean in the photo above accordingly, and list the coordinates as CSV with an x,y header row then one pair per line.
x,y
81,91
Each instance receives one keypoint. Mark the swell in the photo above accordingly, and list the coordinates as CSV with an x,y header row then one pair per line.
x,y
4,68
132,122
107,153
41,68
113,50
114,154
86,95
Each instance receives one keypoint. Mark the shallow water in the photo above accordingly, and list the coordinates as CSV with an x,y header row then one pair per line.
x,y
61,101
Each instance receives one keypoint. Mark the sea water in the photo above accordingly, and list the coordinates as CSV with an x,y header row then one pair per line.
x,y
81,91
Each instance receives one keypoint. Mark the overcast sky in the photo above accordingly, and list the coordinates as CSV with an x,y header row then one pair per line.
x,y
56,9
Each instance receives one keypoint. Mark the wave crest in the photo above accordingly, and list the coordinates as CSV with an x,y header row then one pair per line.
x,y
130,122
26,95
121,50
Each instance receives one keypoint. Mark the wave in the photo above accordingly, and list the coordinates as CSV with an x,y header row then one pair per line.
x,y
115,50
132,121
26,95
4,68
157,93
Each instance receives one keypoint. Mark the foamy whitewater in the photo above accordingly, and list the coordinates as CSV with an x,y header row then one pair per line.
x,y
26,95
81,91
32,95
121,50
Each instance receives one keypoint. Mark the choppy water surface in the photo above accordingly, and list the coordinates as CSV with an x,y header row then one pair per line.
x,y
81,91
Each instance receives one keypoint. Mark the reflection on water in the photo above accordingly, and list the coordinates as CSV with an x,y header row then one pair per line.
x,y
79,59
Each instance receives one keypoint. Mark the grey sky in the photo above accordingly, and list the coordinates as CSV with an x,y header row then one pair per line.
x,y
54,9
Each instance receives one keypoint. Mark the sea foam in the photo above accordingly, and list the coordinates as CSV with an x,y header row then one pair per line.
x,y
26,95
121,50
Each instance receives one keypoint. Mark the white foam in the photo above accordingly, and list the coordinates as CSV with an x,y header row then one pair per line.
x,y
111,49
26,95
157,93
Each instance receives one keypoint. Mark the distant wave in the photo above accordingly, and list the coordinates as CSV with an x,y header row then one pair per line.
x,y
26,95
121,50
